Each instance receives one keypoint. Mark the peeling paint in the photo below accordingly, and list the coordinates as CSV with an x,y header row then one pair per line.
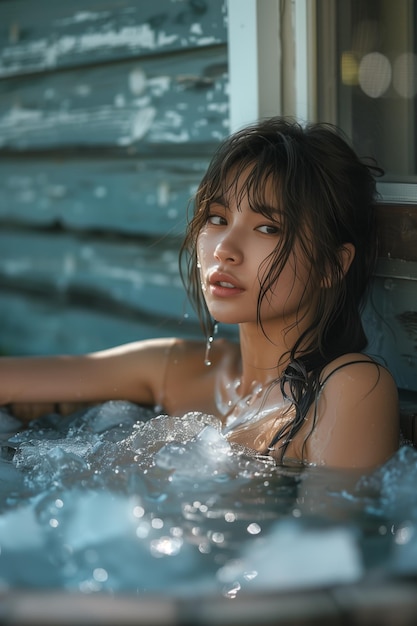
x,y
218,107
136,37
17,116
142,122
116,83
133,37
56,191
205,41
83,90
196,29
27,196
163,194
69,264
137,81
181,137
66,39
165,40
100,192
82,16
107,106
159,85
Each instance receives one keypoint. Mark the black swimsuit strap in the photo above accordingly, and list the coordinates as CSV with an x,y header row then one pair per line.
x,y
322,384
339,367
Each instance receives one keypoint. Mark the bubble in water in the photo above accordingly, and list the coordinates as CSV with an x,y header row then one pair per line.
x,y
166,546
100,575
254,529
404,533
232,590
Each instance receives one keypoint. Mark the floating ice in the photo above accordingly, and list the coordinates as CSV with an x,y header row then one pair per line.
x,y
119,498
293,556
115,414
203,455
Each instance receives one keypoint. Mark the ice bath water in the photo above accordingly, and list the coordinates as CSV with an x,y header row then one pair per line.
x,y
116,499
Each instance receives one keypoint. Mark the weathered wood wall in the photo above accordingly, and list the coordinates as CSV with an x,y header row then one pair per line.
x,y
391,314
109,112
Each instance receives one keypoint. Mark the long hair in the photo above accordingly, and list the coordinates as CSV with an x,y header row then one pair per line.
x,y
326,195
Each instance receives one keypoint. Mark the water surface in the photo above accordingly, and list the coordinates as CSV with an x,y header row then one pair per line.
x,y
117,499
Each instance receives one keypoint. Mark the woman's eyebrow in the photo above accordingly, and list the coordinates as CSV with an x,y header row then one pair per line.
x,y
273,211
219,200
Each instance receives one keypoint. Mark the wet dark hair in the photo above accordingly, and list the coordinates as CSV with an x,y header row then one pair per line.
x,y
326,195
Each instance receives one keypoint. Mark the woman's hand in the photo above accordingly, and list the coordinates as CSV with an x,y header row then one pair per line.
x,y
27,411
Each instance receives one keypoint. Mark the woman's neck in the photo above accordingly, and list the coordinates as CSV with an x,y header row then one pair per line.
x,y
263,357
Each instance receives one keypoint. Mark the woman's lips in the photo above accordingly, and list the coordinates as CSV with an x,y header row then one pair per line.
x,y
223,285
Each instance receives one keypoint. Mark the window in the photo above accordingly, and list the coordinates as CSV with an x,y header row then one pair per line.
x,y
349,62
367,83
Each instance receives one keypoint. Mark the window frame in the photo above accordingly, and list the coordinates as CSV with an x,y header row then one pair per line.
x,y
272,48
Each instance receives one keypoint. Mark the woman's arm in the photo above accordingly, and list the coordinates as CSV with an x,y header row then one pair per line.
x,y
130,372
357,416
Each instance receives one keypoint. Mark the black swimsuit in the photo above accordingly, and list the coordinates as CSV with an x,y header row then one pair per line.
x,y
280,435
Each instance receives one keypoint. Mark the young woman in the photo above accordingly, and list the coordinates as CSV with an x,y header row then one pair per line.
x,y
283,243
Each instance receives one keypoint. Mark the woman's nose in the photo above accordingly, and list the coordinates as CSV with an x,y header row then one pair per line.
x,y
228,249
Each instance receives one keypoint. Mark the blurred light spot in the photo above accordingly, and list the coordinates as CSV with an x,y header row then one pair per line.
x,y
157,523
204,548
374,74
254,529
138,511
100,575
142,530
349,68
166,546
232,591
404,533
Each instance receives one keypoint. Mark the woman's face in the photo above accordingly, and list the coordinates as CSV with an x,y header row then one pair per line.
x,y
235,249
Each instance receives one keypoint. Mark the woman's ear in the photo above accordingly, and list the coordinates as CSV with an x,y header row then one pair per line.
x,y
346,256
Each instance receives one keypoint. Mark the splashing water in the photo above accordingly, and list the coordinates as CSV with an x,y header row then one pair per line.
x,y
115,498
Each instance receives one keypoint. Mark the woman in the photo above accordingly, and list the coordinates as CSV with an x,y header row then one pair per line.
x,y
283,243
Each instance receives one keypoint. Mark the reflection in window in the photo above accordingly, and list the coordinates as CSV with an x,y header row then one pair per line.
x,y
368,50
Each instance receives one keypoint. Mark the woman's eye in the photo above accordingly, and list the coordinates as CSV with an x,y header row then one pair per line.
x,y
269,229
216,220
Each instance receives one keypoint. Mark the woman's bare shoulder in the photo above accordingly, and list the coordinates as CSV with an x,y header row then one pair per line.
x,y
357,367
192,353
357,380
356,415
